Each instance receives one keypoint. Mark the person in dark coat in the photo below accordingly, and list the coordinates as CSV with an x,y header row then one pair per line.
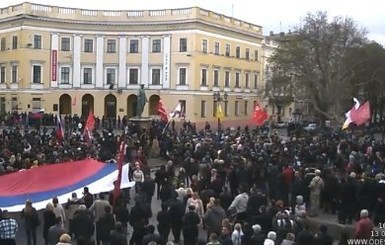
x,y
49,219
117,236
304,237
160,179
121,212
88,198
349,202
152,236
105,225
190,221
176,211
322,237
225,237
148,187
83,223
226,198
164,222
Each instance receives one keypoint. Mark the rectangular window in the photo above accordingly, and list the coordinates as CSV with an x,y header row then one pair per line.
x,y
204,46
236,108
155,77
134,76
227,79
134,46
2,74
14,104
111,46
36,74
215,106
247,54
36,104
216,78
87,76
256,55
216,48
238,52
156,46
228,50
247,80
182,76
246,108
111,75
65,75
237,78
14,42
203,108
2,44
65,44
88,45
226,108
255,81
37,42
15,69
183,45
204,77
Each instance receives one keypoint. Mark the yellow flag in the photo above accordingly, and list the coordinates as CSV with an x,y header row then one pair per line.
x,y
219,111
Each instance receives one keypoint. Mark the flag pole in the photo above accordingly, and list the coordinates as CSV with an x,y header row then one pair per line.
x,y
166,126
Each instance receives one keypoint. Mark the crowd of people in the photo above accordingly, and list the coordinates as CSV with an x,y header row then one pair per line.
x,y
240,186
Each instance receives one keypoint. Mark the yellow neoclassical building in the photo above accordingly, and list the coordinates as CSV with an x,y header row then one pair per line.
x,y
71,61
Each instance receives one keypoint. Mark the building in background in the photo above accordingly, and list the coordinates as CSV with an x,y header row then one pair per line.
x,y
71,61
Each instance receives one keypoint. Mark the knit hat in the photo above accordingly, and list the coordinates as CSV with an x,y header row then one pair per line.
x,y
65,238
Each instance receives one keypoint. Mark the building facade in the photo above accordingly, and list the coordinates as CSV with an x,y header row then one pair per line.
x,y
72,61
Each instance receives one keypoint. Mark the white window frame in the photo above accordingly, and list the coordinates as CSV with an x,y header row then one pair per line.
x,y
115,48
92,75
247,79
69,77
41,73
128,75
160,75
219,80
41,41
256,81
3,80
239,79
240,52
61,44
106,75
206,77
36,100
217,52
203,105
152,45
180,39
129,45
236,108
224,79
227,45
178,78
93,45
15,80
204,50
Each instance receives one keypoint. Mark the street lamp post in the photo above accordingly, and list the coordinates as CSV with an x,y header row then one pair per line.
x,y
217,97
297,119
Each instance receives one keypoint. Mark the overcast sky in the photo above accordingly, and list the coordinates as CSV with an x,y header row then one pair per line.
x,y
273,15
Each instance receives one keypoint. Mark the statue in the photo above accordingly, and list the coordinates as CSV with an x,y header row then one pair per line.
x,y
141,101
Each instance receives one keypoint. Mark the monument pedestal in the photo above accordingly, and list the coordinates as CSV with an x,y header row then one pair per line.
x,y
142,122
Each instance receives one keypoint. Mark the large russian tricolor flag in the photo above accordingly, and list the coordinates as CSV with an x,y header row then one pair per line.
x,y
43,183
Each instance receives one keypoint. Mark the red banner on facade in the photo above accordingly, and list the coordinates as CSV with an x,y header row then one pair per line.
x,y
54,66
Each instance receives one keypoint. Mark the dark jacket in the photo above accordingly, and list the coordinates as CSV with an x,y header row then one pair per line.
x,y
104,226
118,238
213,219
176,211
49,220
82,224
164,220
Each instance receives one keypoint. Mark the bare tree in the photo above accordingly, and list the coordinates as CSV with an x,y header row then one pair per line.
x,y
314,56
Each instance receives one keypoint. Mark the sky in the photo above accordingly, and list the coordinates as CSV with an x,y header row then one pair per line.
x,y
272,15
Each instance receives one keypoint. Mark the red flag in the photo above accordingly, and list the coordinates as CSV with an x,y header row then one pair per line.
x,y
361,115
260,115
90,124
120,158
161,110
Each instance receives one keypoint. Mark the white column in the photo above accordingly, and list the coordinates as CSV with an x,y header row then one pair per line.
x,y
166,61
54,68
145,50
99,62
76,61
122,62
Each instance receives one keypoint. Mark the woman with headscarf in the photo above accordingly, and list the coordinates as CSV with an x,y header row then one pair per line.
x,y
31,222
